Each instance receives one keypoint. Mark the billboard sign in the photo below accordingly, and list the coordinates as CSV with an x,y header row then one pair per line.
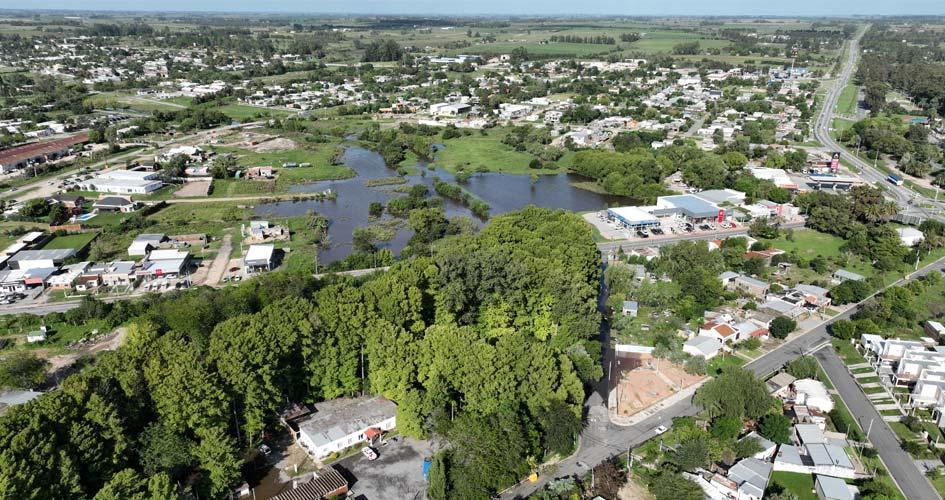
x,y
835,161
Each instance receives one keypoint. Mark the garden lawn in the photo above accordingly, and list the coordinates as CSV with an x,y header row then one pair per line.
x,y
73,241
718,363
847,352
802,485
810,243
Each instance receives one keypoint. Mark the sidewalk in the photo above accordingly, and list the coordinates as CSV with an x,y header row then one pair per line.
x,y
655,408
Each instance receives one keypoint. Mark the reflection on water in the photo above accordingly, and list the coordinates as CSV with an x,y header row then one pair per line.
x,y
503,192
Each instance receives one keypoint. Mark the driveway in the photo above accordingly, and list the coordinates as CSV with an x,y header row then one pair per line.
x,y
222,259
900,464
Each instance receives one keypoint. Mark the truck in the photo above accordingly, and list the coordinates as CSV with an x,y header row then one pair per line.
x,y
894,179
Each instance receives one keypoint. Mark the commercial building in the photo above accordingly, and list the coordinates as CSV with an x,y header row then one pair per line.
x,y
259,258
39,259
633,217
38,152
340,423
120,186
689,207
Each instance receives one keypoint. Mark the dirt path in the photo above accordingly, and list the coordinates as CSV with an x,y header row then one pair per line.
x,y
108,343
218,267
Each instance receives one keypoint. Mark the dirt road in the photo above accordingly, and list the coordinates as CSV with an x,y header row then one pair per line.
x,y
218,267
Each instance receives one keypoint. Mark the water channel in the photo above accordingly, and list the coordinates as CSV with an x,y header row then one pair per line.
x,y
503,192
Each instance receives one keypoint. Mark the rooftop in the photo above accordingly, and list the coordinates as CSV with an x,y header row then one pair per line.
x,y
28,151
54,254
337,418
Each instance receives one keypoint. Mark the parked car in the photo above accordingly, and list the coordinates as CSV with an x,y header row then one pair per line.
x,y
369,453
661,429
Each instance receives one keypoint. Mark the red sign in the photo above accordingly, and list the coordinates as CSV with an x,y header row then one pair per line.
x,y
835,161
721,214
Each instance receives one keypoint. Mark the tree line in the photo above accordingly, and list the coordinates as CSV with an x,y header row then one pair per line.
x,y
596,40
484,344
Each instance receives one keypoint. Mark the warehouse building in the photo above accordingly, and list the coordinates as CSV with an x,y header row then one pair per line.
x,y
38,152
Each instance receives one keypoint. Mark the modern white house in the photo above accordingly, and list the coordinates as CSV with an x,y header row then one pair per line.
x,y
342,423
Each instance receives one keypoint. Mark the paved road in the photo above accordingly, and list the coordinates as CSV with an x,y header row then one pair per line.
x,y
601,440
42,188
606,246
913,484
904,197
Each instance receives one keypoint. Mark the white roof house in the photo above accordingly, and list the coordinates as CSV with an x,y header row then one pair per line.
x,y
144,243
813,393
910,236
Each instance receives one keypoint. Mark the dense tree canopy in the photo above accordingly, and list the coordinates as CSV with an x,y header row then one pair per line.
x,y
495,329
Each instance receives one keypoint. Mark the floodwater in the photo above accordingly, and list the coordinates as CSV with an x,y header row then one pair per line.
x,y
503,192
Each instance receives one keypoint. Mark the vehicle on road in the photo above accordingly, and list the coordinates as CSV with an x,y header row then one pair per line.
x,y
661,429
896,180
369,453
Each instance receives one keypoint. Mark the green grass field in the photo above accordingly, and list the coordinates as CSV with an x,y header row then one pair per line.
x,y
720,362
846,103
847,352
802,485
74,241
247,113
486,152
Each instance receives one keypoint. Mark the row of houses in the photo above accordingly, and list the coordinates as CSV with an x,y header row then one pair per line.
x,y
811,451
909,363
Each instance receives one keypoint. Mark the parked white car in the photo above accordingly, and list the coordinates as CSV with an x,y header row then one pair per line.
x,y
369,453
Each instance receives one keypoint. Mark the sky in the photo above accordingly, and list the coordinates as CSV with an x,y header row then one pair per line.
x,y
510,7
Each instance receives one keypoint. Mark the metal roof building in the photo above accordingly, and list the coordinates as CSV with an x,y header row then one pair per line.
x,y
688,205
633,216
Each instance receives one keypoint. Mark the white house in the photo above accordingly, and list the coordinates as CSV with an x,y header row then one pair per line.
x,y
342,423
144,243
813,394
910,236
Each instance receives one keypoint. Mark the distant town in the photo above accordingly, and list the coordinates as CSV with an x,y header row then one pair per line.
x,y
304,257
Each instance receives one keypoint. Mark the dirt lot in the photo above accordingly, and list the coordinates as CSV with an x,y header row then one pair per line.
x,y
193,189
275,145
645,380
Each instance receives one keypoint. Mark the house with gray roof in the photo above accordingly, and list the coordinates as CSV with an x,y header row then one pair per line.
x,y
341,423
832,488
700,345
841,275
751,475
